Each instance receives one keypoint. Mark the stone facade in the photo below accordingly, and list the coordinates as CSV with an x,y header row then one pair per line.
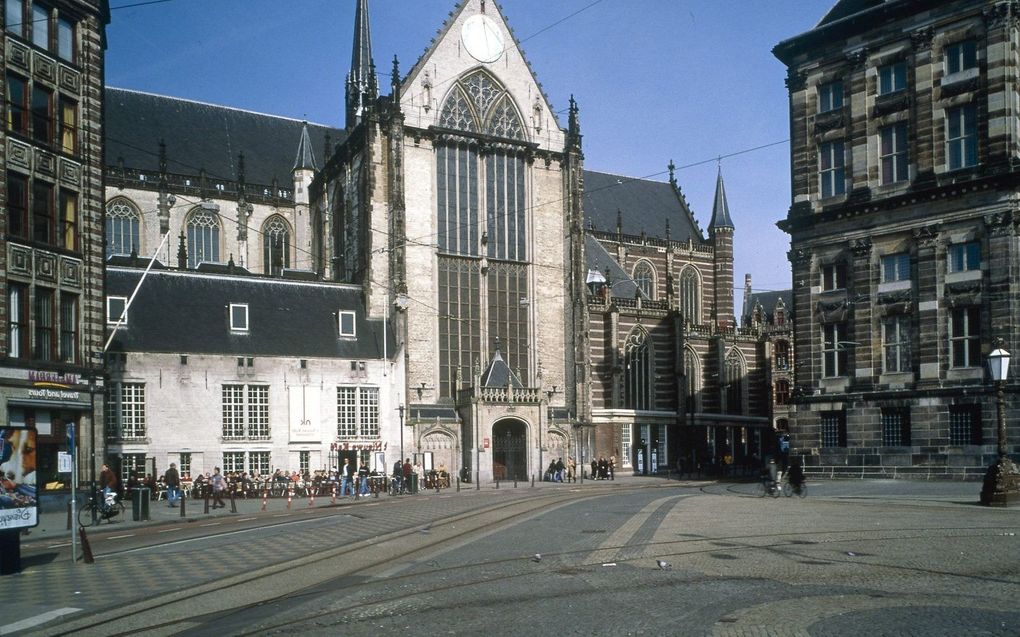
x,y
903,234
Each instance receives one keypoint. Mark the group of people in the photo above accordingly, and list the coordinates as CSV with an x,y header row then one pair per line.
x,y
559,471
603,469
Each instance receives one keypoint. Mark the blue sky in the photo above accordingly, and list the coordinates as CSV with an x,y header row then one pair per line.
x,y
687,80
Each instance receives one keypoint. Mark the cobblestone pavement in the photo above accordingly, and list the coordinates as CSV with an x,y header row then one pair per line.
x,y
898,557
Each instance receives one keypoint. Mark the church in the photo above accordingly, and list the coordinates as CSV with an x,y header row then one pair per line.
x,y
474,296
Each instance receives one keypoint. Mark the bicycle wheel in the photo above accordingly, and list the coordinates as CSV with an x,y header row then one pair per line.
x,y
760,490
85,515
787,489
802,492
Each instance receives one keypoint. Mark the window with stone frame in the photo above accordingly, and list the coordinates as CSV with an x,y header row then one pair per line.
x,y
833,426
638,361
834,359
203,228
275,245
893,153
832,168
965,425
123,227
782,355
896,426
965,337
67,347
830,96
896,267
692,380
833,276
960,56
233,461
357,410
258,463
644,279
17,320
897,337
690,295
961,137
964,257
734,378
34,22
44,318
892,78
782,394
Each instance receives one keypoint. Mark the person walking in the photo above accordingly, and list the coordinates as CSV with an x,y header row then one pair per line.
x,y
172,479
560,469
612,467
346,478
219,485
408,469
571,469
363,479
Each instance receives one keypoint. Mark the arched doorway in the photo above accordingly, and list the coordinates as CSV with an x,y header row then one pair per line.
x,y
510,450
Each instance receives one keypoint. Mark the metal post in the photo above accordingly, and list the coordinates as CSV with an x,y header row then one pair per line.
x,y
1000,399
400,409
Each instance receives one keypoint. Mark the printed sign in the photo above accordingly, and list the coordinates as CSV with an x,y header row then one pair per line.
x,y
18,504
304,413
65,464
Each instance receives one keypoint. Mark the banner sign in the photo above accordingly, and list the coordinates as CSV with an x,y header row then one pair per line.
x,y
18,505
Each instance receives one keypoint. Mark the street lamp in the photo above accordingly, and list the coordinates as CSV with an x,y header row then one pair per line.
x,y
401,410
1002,481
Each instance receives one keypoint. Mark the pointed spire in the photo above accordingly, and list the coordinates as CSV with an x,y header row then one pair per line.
x,y
720,209
305,157
573,121
672,173
362,88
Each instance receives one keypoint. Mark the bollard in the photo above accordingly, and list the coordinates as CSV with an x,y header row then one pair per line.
x,y
265,499
69,515
233,504
290,497
497,484
311,497
332,498
86,548
207,501
458,484
533,481
182,504
515,482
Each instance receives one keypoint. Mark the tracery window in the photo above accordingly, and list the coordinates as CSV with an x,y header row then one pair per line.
x,y
123,223
733,387
638,371
644,279
690,295
275,245
203,237
692,380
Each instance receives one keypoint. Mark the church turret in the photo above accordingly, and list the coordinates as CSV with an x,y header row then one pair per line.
x,y
362,87
303,173
720,233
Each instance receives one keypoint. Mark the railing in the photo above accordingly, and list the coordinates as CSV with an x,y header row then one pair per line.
x,y
510,394
200,187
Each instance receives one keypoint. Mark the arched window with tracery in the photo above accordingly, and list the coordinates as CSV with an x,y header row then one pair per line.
x,y
203,237
782,355
638,371
733,385
644,279
692,381
482,213
690,295
123,227
275,245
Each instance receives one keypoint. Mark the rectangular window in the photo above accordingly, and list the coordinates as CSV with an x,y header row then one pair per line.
x,y
625,448
45,325
965,337
17,105
459,321
896,339
238,317
42,115
346,323
369,412
17,205
961,56
965,425
41,26
258,463
245,412
258,411
68,134
893,153
892,78
131,464
895,427
346,412
17,327
831,169
233,461
833,350
964,257
833,276
233,412
304,462
833,429
357,412
896,267
961,136
185,464
65,39
132,410
830,96
67,224
116,310
42,212
14,19
68,328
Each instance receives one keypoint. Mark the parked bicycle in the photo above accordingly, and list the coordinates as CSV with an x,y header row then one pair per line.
x,y
94,510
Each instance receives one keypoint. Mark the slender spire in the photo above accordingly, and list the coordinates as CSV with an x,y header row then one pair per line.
x,y
305,157
720,209
362,88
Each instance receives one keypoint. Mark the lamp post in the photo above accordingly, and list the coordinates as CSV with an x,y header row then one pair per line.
x,y
1002,481
400,409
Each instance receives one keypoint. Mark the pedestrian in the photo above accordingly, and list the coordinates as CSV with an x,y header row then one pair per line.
x,y
363,478
408,470
108,483
560,468
173,485
612,467
594,469
346,478
571,469
219,485
398,476
603,468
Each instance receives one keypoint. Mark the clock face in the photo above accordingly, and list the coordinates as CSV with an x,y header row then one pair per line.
x,y
482,38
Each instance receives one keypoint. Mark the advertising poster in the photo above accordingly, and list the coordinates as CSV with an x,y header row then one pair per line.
x,y
18,508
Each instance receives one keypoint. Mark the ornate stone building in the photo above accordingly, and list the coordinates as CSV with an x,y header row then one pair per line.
x,y
51,264
903,229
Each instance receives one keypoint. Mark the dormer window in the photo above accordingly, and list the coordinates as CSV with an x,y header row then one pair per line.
x,y
345,321
116,308
238,317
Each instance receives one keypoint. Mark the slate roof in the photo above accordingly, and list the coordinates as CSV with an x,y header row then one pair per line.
x,y
768,302
846,8
499,374
204,136
720,208
598,258
644,205
187,313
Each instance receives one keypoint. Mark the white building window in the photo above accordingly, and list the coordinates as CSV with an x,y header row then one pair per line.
x,y
238,317
123,223
345,322
203,237
246,412
233,461
357,411
125,411
258,463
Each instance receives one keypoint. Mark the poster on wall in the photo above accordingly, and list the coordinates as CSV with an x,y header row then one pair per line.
x,y
18,504
304,413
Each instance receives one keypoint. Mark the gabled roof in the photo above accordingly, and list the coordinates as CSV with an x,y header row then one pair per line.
x,y
204,136
187,312
644,206
768,301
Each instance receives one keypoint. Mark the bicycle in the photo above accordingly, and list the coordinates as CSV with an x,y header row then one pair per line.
x,y
767,486
789,488
95,510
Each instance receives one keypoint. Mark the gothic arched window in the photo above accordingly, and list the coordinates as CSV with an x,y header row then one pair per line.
x,y
479,102
644,279
782,355
690,295
275,245
203,237
782,392
692,380
123,226
733,385
638,371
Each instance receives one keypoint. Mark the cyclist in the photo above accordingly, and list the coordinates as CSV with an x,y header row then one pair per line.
x,y
796,476
108,483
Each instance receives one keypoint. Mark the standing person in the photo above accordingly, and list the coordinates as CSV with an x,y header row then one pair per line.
x,y
173,485
571,469
407,471
560,468
218,486
398,476
108,483
612,467
594,469
346,478
363,478
603,468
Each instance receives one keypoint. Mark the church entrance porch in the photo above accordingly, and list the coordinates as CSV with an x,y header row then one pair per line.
x,y
510,450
